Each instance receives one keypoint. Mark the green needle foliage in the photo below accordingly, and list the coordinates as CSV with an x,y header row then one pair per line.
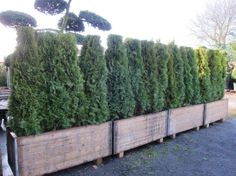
x,y
196,98
216,65
150,75
136,72
63,88
176,87
161,55
27,77
188,78
204,74
120,96
93,67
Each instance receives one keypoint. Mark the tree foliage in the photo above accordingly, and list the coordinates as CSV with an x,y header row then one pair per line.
x,y
120,96
150,75
136,72
161,55
50,7
13,19
93,67
203,73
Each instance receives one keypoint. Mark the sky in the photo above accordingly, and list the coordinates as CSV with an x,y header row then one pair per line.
x,y
164,20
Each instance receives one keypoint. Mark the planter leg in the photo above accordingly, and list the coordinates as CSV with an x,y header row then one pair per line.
x,y
207,125
222,120
121,155
198,128
98,161
160,140
173,136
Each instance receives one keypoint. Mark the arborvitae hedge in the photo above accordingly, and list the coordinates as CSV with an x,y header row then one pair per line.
x,y
150,75
93,66
216,65
27,77
196,98
64,99
136,72
188,78
176,87
161,55
204,74
120,96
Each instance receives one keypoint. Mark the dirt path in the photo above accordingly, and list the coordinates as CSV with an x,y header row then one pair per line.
x,y
208,152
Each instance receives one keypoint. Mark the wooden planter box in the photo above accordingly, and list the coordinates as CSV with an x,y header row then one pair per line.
x,y
216,111
137,131
53,151
185,118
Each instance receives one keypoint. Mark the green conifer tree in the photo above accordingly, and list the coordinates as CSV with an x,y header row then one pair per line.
x,y
93,67
120,96
204,74
136,72
161,55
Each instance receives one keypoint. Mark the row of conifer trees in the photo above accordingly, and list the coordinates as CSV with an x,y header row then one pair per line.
x,y
53,89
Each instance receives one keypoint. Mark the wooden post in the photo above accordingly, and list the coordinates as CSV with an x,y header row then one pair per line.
x,y
160,140
207,125
173,136
198,128
221,120
98,161
121,155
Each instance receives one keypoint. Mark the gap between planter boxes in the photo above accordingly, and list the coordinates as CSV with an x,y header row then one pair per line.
x,y
53,151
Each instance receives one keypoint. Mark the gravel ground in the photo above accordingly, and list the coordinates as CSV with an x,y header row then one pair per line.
x,y
208,152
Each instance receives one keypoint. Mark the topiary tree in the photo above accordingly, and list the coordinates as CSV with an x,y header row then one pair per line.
x,y
161,56
136,72
64,99
26,76
93,67
14,19
120,96
196,98
176,87
150,74
204,74
188,78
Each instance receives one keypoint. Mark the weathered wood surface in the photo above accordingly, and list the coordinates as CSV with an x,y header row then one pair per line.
x,y
137,131
185,118
53,151
215,111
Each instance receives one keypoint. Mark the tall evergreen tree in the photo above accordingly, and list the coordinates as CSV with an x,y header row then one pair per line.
x,y
150,75
64,103
161,55
176,87
120,96
188,78
26,77
204,74
93,67
196,98
136,72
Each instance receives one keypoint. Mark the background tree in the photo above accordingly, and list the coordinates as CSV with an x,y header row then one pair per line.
x,y
217,23
93,67
161,55
120,96
204,74
150,74
136,72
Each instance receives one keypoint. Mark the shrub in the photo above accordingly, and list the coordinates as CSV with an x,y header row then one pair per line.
x,y
64,99
93,67
3,76
136,72
161,55
196,98
176,86
120,96
26,73
204,74
188,78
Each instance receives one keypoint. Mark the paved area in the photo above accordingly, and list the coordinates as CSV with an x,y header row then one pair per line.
x,y
208,152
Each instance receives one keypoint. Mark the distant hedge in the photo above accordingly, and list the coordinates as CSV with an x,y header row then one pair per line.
x,y
54,88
